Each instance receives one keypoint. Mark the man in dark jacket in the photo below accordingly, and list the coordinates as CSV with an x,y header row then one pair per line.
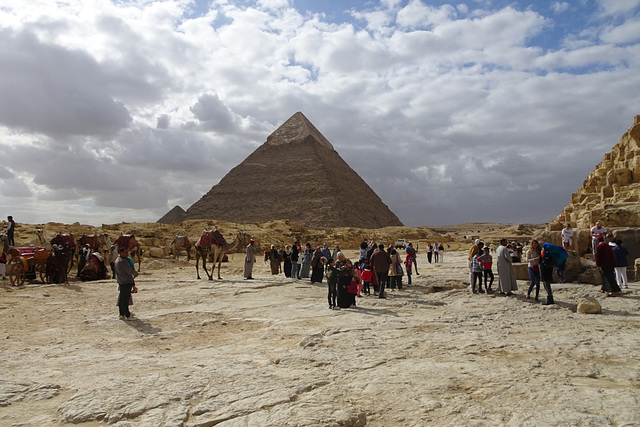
x,y
606,262
380,261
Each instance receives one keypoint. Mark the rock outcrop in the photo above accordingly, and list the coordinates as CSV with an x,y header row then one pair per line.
x,y
295,175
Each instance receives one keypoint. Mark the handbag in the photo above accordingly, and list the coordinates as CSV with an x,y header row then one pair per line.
x,y
399,270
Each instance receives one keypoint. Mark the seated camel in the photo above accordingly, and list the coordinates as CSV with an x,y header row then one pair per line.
x,y
94,268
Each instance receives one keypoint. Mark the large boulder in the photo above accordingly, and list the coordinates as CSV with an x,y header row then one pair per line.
x,y
572,273
589,305
156,252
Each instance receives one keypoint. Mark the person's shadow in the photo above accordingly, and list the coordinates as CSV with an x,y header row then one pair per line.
x,y
143,327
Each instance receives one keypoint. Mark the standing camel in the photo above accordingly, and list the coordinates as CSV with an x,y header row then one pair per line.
x,y
179,243
129,241
61,239
211,243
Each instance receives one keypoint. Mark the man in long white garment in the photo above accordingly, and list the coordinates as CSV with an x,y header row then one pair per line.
x,y
506,276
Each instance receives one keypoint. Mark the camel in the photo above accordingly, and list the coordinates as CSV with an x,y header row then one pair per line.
x,y
58,264
212,244
129,240
97,243
94,268
63,240
40,239
179,243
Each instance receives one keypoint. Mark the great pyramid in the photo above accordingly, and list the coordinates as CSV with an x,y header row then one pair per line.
x,y
611,192
296,175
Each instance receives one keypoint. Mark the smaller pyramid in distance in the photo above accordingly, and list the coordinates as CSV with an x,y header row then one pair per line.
x,y
296,175
176,214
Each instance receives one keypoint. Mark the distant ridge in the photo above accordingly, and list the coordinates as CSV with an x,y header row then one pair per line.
x,y
297,175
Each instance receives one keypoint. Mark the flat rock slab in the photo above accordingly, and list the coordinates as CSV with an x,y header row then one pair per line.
x,y
270,352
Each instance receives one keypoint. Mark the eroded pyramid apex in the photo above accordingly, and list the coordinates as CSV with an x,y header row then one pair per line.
x,y
296,129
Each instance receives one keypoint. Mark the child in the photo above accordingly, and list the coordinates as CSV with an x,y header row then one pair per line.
x,y
332,282
485,264
408,262
477,274
367,275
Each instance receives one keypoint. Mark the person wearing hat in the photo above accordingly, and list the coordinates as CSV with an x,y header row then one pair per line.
x,y
249,260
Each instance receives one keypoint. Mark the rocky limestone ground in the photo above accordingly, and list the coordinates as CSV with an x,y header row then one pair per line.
x,y
269,352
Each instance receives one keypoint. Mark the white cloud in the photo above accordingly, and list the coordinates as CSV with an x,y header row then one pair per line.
x,y
627,32
559,6
120,111
617,7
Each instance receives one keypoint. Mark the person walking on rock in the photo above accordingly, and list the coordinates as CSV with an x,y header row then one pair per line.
x,y
486,261
621,254
294,260
606,262
125,274
533,266
506,276
249,261
380,261
306,261
413,253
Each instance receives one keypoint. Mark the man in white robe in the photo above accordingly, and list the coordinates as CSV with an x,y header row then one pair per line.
x,y
506,275
249,260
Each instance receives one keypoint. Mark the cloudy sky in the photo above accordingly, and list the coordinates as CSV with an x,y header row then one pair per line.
x,y
484,110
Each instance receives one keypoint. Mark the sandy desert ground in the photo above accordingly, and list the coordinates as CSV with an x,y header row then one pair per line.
x,y
269,352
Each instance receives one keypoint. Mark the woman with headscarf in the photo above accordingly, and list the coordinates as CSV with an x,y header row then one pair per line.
x,y
345,272
306,261
317,265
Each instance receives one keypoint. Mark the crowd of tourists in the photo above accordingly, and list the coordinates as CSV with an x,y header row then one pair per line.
x,y
377,268
609,254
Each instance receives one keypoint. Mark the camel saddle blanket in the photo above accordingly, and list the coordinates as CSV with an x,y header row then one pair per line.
x,y
210,237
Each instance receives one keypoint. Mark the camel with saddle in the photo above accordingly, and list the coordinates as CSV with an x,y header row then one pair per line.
x,y
68,242
180,243
97,243
57,267
213,244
